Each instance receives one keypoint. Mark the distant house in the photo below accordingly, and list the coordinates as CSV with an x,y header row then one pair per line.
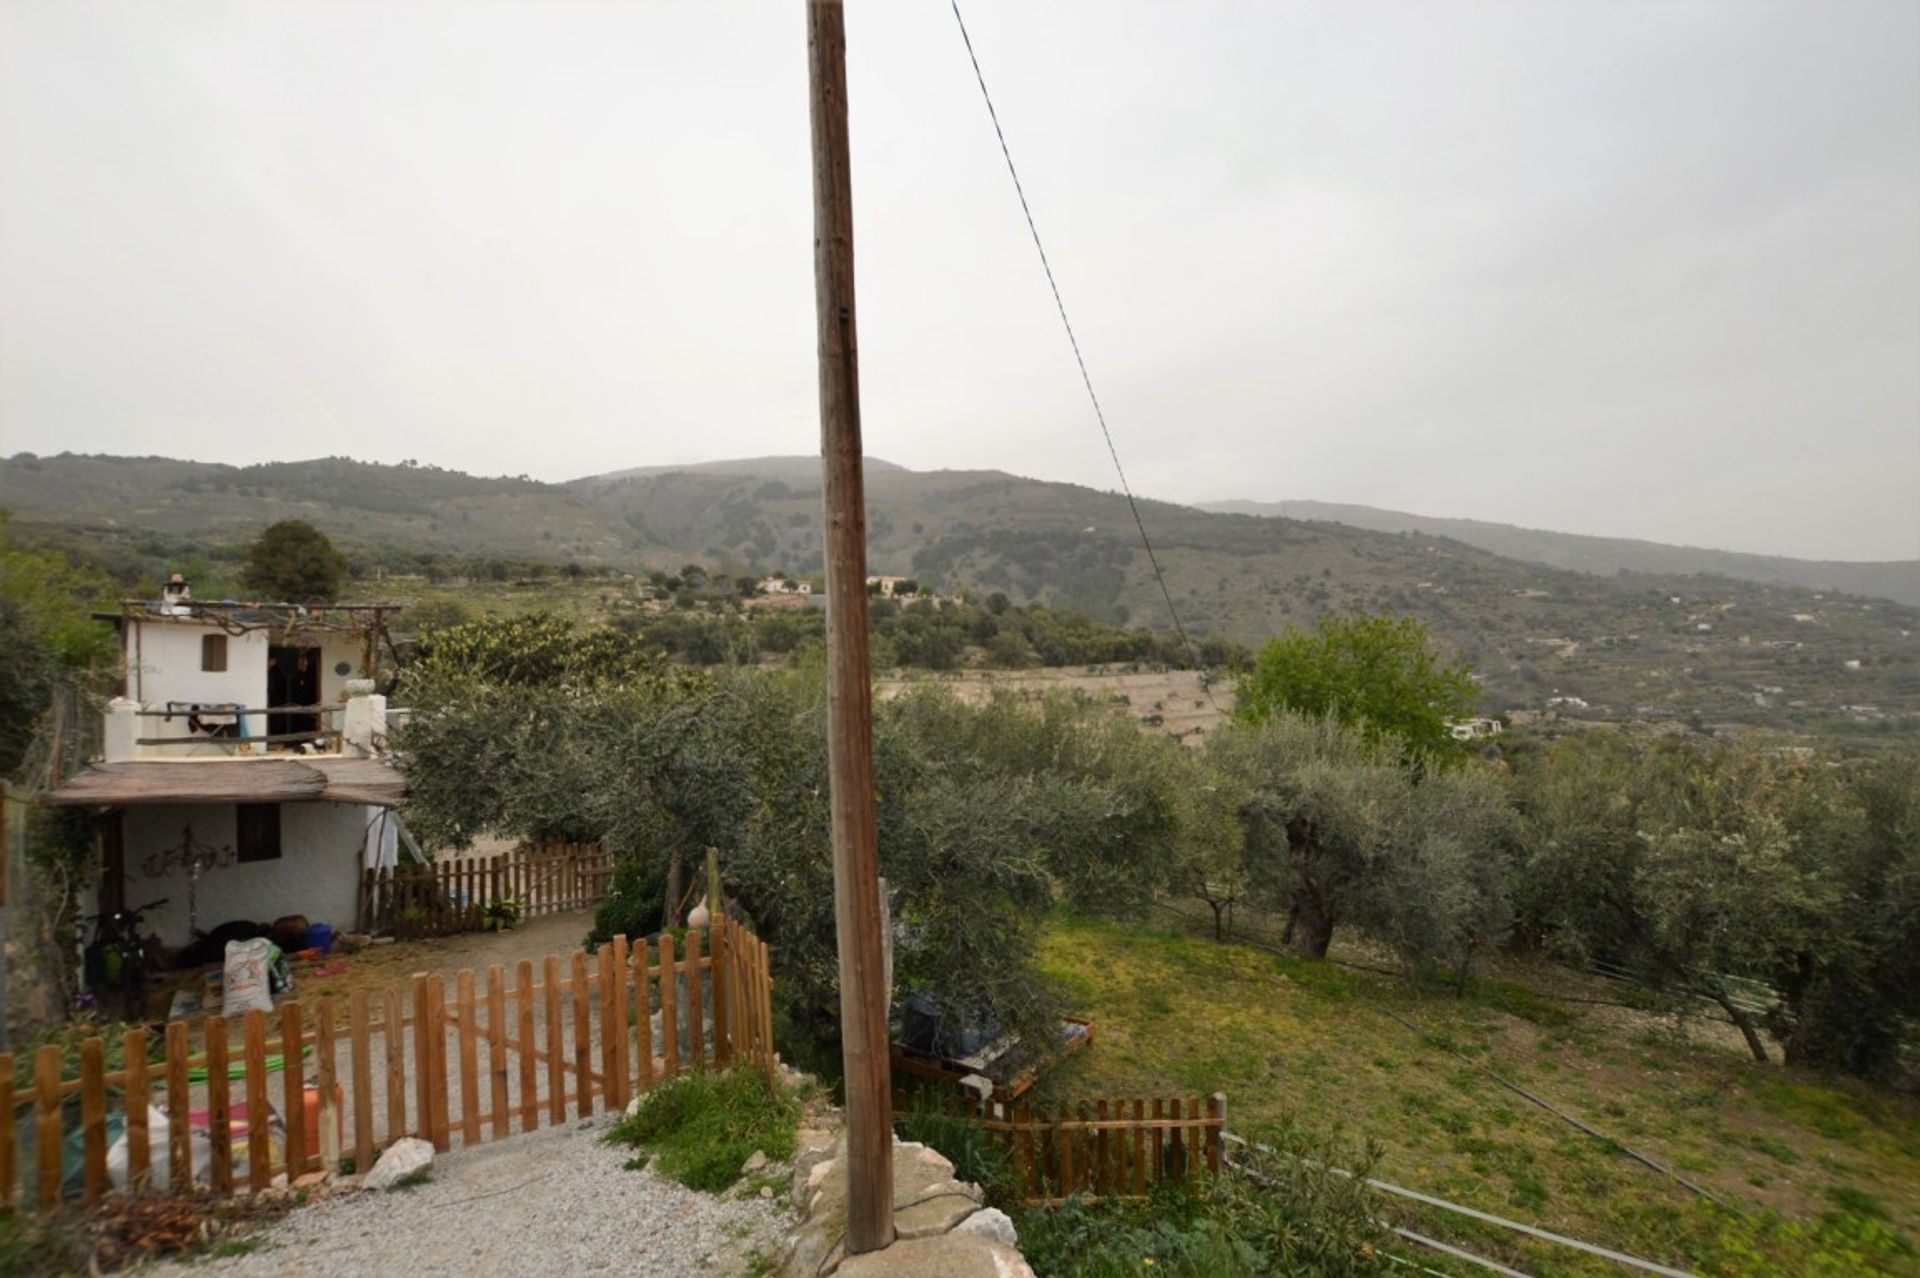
x,y
1474,729
887,587
244,773
785,586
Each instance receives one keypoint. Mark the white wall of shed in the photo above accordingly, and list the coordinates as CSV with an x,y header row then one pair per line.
x,y
322,846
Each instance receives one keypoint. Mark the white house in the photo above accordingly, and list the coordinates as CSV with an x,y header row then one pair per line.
x,y
785,586
244,772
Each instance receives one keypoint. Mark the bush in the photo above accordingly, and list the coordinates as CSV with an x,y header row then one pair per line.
x,y
700,1128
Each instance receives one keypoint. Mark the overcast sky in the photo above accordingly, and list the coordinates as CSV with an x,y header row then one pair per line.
x,y
1648,269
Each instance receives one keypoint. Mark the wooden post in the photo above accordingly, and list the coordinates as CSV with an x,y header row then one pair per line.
x,y
856,889
133,1097
394,1033
293,1090
324,1048
1139,1148
497,1049
1217,1112
48,1163
556,1050
259,1172
219,1108
437,1061
642,1015
93,1119
422,1059
179,1148
529,1078
669,1010
609,1043
621,1028
717,960
7,1169
359,1028
582,1038
696,998
469,1059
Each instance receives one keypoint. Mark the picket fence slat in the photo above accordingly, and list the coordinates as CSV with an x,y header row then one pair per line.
x,y
582,1040
8,1172
219,1108
254,1030
133,1054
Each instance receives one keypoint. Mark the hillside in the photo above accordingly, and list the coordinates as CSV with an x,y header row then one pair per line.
x,y
1898,580
1647,645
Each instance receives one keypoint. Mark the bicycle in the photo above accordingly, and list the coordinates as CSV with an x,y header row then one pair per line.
x,y
116,958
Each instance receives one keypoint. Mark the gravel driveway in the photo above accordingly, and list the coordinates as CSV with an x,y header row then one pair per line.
x,y
550,1204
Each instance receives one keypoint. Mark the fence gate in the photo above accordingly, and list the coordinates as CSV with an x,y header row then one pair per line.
x,y
465,1059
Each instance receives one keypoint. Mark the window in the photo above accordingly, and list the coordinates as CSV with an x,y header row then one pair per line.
x,y
256,832
213,652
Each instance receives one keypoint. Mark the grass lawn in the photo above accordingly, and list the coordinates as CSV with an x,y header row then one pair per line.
x,y
1825,1173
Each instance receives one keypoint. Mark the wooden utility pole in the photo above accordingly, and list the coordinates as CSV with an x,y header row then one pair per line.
x,y
856,861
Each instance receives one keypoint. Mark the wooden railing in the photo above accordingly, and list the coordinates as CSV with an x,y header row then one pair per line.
x,y
188,710
1100,1149
471,1058
453,896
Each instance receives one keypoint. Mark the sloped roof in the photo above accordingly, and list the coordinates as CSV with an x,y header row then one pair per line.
x,y
160,782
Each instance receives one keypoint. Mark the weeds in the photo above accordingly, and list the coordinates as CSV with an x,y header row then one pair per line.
x,y
700,1128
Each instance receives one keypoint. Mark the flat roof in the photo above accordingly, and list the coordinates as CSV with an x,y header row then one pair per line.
x,y
179,782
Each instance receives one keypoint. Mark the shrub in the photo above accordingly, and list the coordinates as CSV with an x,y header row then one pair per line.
x,y
700,1128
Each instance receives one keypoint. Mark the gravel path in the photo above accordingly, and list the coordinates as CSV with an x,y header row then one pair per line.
x,y
550,1204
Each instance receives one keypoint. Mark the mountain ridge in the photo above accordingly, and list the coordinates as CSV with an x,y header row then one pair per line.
x,y
1894,579
1633,644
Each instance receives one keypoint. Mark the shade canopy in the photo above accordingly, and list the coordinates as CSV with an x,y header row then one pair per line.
x,y
157,782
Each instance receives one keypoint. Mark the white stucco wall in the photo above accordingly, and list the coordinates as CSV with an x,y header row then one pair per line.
x,y
317,874
163,662
335,650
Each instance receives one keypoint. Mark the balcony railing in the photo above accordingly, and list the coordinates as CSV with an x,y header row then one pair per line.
x,y
226,725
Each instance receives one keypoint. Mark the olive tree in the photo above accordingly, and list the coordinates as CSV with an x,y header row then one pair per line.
x,y
1779,885
1336,832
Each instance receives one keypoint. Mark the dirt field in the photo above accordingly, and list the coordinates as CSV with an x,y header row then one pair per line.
x,y
1176,702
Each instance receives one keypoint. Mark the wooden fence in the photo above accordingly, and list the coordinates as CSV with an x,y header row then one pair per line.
x,y
1101,1149
471,1058
453,896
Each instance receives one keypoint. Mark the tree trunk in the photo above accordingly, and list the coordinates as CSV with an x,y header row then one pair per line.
x,y
1748,1030
672,917
1310,928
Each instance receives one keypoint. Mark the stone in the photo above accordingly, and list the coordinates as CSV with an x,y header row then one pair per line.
x,y
990,1222
941,1165
935,1212
947,1256
402,1158
755,1162
312,1180
766,1191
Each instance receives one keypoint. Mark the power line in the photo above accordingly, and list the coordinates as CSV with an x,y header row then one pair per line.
x,y
1086,378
